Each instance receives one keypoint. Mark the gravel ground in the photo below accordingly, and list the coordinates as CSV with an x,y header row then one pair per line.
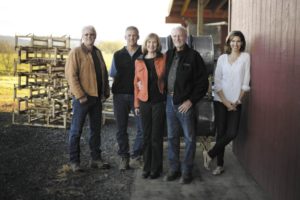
x,y
34,165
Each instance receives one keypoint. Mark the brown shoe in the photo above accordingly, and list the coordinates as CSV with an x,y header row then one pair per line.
x,y
124,163
99,164
76,167
136,162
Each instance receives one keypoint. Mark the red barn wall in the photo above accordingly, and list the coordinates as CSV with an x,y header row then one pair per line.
x,y
268,144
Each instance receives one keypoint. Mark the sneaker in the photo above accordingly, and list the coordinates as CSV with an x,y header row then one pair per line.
x,y
136,162
76,167
172,175
99,164
124,163
219,170
186,178
207,159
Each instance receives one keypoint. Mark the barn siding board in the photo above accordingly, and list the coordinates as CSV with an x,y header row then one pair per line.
x,y
268,143
297,101
297,44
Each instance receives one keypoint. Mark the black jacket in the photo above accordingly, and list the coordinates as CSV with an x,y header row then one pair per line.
x,y
123,81
191,77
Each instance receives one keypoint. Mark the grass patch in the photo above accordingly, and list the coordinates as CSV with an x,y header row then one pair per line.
x,y
6,93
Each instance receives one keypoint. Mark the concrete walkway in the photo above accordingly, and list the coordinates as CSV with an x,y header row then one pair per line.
x,y
234,184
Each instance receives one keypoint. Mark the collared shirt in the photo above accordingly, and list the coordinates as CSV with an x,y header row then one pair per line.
x,y
232,78
172,74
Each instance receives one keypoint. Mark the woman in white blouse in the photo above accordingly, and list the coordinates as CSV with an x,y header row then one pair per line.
x,y
231,82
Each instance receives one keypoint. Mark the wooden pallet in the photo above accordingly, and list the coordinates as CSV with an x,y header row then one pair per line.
x,y
32,40
41,93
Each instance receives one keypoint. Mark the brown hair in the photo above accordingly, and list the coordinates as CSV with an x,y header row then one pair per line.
x,y
232,34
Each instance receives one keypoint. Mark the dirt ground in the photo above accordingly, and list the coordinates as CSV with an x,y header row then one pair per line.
x,y
34,165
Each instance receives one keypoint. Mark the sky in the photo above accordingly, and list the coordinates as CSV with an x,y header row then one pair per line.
x,y
67,17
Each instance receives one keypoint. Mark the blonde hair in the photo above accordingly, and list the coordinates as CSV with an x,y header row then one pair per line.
x,y
151,36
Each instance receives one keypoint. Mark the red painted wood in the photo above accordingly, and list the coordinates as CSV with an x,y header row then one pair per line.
x,y
269,141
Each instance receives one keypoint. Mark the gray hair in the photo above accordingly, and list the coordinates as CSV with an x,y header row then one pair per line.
x,y
132,28
181,29
89,27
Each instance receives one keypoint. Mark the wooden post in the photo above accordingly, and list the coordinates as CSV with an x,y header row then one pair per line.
x,y
200,11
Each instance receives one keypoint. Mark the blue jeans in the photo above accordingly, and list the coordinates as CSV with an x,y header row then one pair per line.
x,y
93,109
176,122
123,104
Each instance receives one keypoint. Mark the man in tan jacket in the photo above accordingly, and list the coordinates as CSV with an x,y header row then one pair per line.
x,y
87,77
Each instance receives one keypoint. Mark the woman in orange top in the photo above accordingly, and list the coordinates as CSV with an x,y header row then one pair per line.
x,y
149,102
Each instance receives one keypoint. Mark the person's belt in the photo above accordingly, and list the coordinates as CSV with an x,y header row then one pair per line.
x,y
171,93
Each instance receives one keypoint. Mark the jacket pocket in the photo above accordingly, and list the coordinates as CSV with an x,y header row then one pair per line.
x,y
186,67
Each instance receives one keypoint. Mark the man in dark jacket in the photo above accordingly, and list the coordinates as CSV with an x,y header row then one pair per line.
x,y
187,83
122,71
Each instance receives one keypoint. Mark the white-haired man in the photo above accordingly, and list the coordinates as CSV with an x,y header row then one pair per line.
x,y
186,83
87,77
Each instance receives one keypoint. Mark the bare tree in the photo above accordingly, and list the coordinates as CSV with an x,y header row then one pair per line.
x,y
6,55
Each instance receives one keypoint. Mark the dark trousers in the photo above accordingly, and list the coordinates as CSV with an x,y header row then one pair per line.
x,y
153,122
227,124
123,104
93,109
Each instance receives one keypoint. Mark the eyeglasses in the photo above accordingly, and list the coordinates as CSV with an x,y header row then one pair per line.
x,y
90,34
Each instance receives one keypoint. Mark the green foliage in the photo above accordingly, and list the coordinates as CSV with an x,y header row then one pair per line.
x,y
7,55
7,86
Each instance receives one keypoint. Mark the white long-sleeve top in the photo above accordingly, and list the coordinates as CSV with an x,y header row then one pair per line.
x,y
232,78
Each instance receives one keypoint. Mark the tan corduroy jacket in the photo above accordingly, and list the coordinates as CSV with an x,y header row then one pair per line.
x,y
81,75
